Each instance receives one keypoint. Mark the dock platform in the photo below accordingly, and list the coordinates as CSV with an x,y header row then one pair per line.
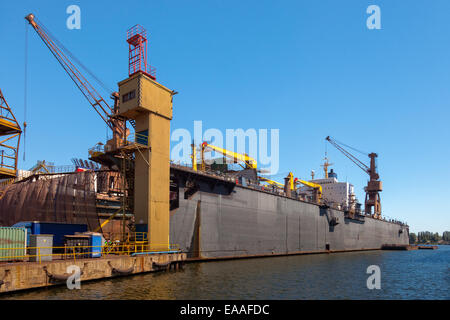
x,y
28,275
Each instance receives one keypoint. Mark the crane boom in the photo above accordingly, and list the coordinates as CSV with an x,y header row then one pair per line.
x,y
271,182
95,99
317,188
310,184
249,161
355,160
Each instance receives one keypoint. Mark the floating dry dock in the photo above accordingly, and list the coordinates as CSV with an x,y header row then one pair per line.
x,y
28,275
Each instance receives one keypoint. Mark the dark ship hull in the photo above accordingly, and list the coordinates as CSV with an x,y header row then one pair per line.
x,y
217,218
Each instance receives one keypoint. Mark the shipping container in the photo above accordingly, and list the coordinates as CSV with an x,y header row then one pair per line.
x,y
96,244
13,242
41,247
77,245
58,229
27,225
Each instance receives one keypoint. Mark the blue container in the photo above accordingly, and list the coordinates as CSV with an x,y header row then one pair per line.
x,y
58,229
141,227
96,244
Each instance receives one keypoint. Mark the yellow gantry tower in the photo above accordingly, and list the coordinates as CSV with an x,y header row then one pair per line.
x,y
149,104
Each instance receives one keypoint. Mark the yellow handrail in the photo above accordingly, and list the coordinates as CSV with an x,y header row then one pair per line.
x,y
86,251
139,137
73,252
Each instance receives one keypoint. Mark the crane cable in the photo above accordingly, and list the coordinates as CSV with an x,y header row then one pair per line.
x,y
72,56
354,149
25,92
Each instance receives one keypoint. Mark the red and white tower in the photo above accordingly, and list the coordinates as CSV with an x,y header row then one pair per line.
x,y
137,52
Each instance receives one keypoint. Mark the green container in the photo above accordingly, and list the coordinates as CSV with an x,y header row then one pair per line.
x,y
13,243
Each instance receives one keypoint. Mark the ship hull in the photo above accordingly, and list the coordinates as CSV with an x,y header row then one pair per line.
x,y
250,222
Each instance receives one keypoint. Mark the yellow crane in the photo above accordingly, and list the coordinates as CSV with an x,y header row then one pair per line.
x,y
317,195
291,181
194,157
271,182
250,163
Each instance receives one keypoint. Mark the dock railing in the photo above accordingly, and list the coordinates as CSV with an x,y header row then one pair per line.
x,y
41,254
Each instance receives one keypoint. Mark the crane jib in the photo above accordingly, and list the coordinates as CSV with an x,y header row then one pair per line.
x,y
95,99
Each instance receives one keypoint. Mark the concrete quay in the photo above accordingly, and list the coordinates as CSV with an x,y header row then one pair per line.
x,y
28,275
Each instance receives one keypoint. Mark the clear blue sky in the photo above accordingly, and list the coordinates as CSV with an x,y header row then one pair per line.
x,y
308,68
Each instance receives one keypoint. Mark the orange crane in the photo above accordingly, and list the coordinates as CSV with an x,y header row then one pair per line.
x,y
107,113
374,186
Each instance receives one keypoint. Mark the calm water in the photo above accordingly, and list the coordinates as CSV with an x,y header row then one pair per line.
x,y
421,274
